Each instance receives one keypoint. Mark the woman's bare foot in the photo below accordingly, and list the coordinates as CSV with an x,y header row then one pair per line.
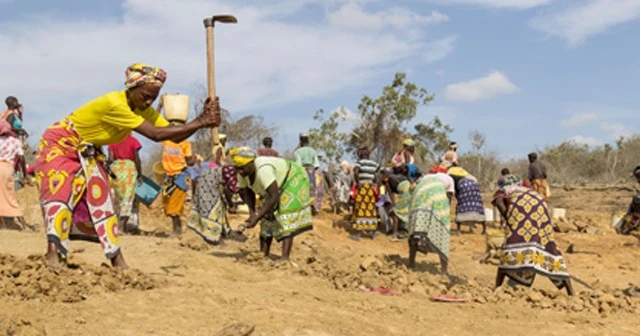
x,y
280,261
118,262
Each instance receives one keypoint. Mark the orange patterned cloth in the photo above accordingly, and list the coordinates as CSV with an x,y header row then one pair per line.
x,y
76,199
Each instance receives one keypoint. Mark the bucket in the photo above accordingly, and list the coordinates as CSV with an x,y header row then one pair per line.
x,y
147,192
488,215
559,213
616,220
158,170
176,107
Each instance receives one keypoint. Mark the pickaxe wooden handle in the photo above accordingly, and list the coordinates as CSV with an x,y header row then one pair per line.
x,y
209,23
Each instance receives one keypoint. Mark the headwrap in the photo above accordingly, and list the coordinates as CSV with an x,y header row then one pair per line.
x,y
139,74
453,146
438,169
242,156
408,142
509,180
636,171
222,136
458,172
5,129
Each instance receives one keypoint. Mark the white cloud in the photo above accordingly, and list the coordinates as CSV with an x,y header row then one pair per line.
x,y
492,85
440,49
352,16
504,4
58,64
585,140
579,119
576,24
615,130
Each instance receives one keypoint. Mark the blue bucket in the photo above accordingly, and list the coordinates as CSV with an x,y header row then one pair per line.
x,y
147,192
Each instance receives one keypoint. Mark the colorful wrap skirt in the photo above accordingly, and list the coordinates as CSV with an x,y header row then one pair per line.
x,y
541,186
469,208
208,216
293,214
365,214
75,195
174,193
530,246
426,210
124,186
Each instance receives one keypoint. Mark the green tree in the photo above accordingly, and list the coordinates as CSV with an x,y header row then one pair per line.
x,y
327,138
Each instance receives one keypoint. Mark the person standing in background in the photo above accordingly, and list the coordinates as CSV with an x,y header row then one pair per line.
x,y
538,176
124,162
267,150
450,158
10,152
220,151
307,157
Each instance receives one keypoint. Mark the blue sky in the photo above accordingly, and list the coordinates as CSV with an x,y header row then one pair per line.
x,y
527,73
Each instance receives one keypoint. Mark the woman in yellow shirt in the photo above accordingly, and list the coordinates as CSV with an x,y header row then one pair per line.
x,y
77,202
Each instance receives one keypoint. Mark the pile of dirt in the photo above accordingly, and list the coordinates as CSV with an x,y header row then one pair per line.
x,y
20,326
31,279
391,272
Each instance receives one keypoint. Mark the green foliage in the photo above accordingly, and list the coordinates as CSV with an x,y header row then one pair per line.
x,y
382,124
327,138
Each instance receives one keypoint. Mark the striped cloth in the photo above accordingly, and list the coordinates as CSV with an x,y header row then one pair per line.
x,y
368,170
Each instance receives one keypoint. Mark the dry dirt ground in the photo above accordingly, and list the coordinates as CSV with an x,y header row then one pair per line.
x,y
184,287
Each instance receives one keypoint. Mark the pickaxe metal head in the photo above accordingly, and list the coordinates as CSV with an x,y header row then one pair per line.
x,y
210,21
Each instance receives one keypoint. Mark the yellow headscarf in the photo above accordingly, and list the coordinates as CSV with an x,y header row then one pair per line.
x,y
458,172
139,74
242,156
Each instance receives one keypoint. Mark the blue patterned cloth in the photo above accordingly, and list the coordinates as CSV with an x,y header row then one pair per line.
x,y
470,207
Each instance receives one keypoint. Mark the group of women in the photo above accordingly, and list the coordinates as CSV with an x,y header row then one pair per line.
x,y
77,201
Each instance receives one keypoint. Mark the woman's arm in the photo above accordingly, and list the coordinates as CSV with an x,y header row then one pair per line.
x,y
209,118
136,160
272,200
248,197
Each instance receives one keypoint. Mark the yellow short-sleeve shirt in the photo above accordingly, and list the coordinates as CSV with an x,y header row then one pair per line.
x,y
108,119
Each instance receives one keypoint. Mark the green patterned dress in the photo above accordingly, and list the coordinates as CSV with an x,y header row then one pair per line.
x,y
426,210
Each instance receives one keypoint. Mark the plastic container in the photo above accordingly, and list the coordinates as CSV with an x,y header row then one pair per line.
x,y
176,107
616,220
558,213
488,215
159,172
147,192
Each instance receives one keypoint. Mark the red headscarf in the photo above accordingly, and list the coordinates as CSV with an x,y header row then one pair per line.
x,y
438,169
5,129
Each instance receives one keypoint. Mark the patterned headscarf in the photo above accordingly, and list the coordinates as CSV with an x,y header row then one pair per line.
x,y
139,74
5,129
242,156
510,180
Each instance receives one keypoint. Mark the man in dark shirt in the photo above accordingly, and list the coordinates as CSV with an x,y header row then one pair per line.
x,y
538,175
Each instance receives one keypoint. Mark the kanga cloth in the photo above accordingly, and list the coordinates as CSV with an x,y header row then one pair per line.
x,y
311,175
208,216
293,215
75,195
426,210
174,193
541,186
530,246
365,214
124,186
9,206
470,208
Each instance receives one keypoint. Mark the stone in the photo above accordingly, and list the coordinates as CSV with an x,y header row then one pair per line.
x,y
370,263
535,297
608,298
